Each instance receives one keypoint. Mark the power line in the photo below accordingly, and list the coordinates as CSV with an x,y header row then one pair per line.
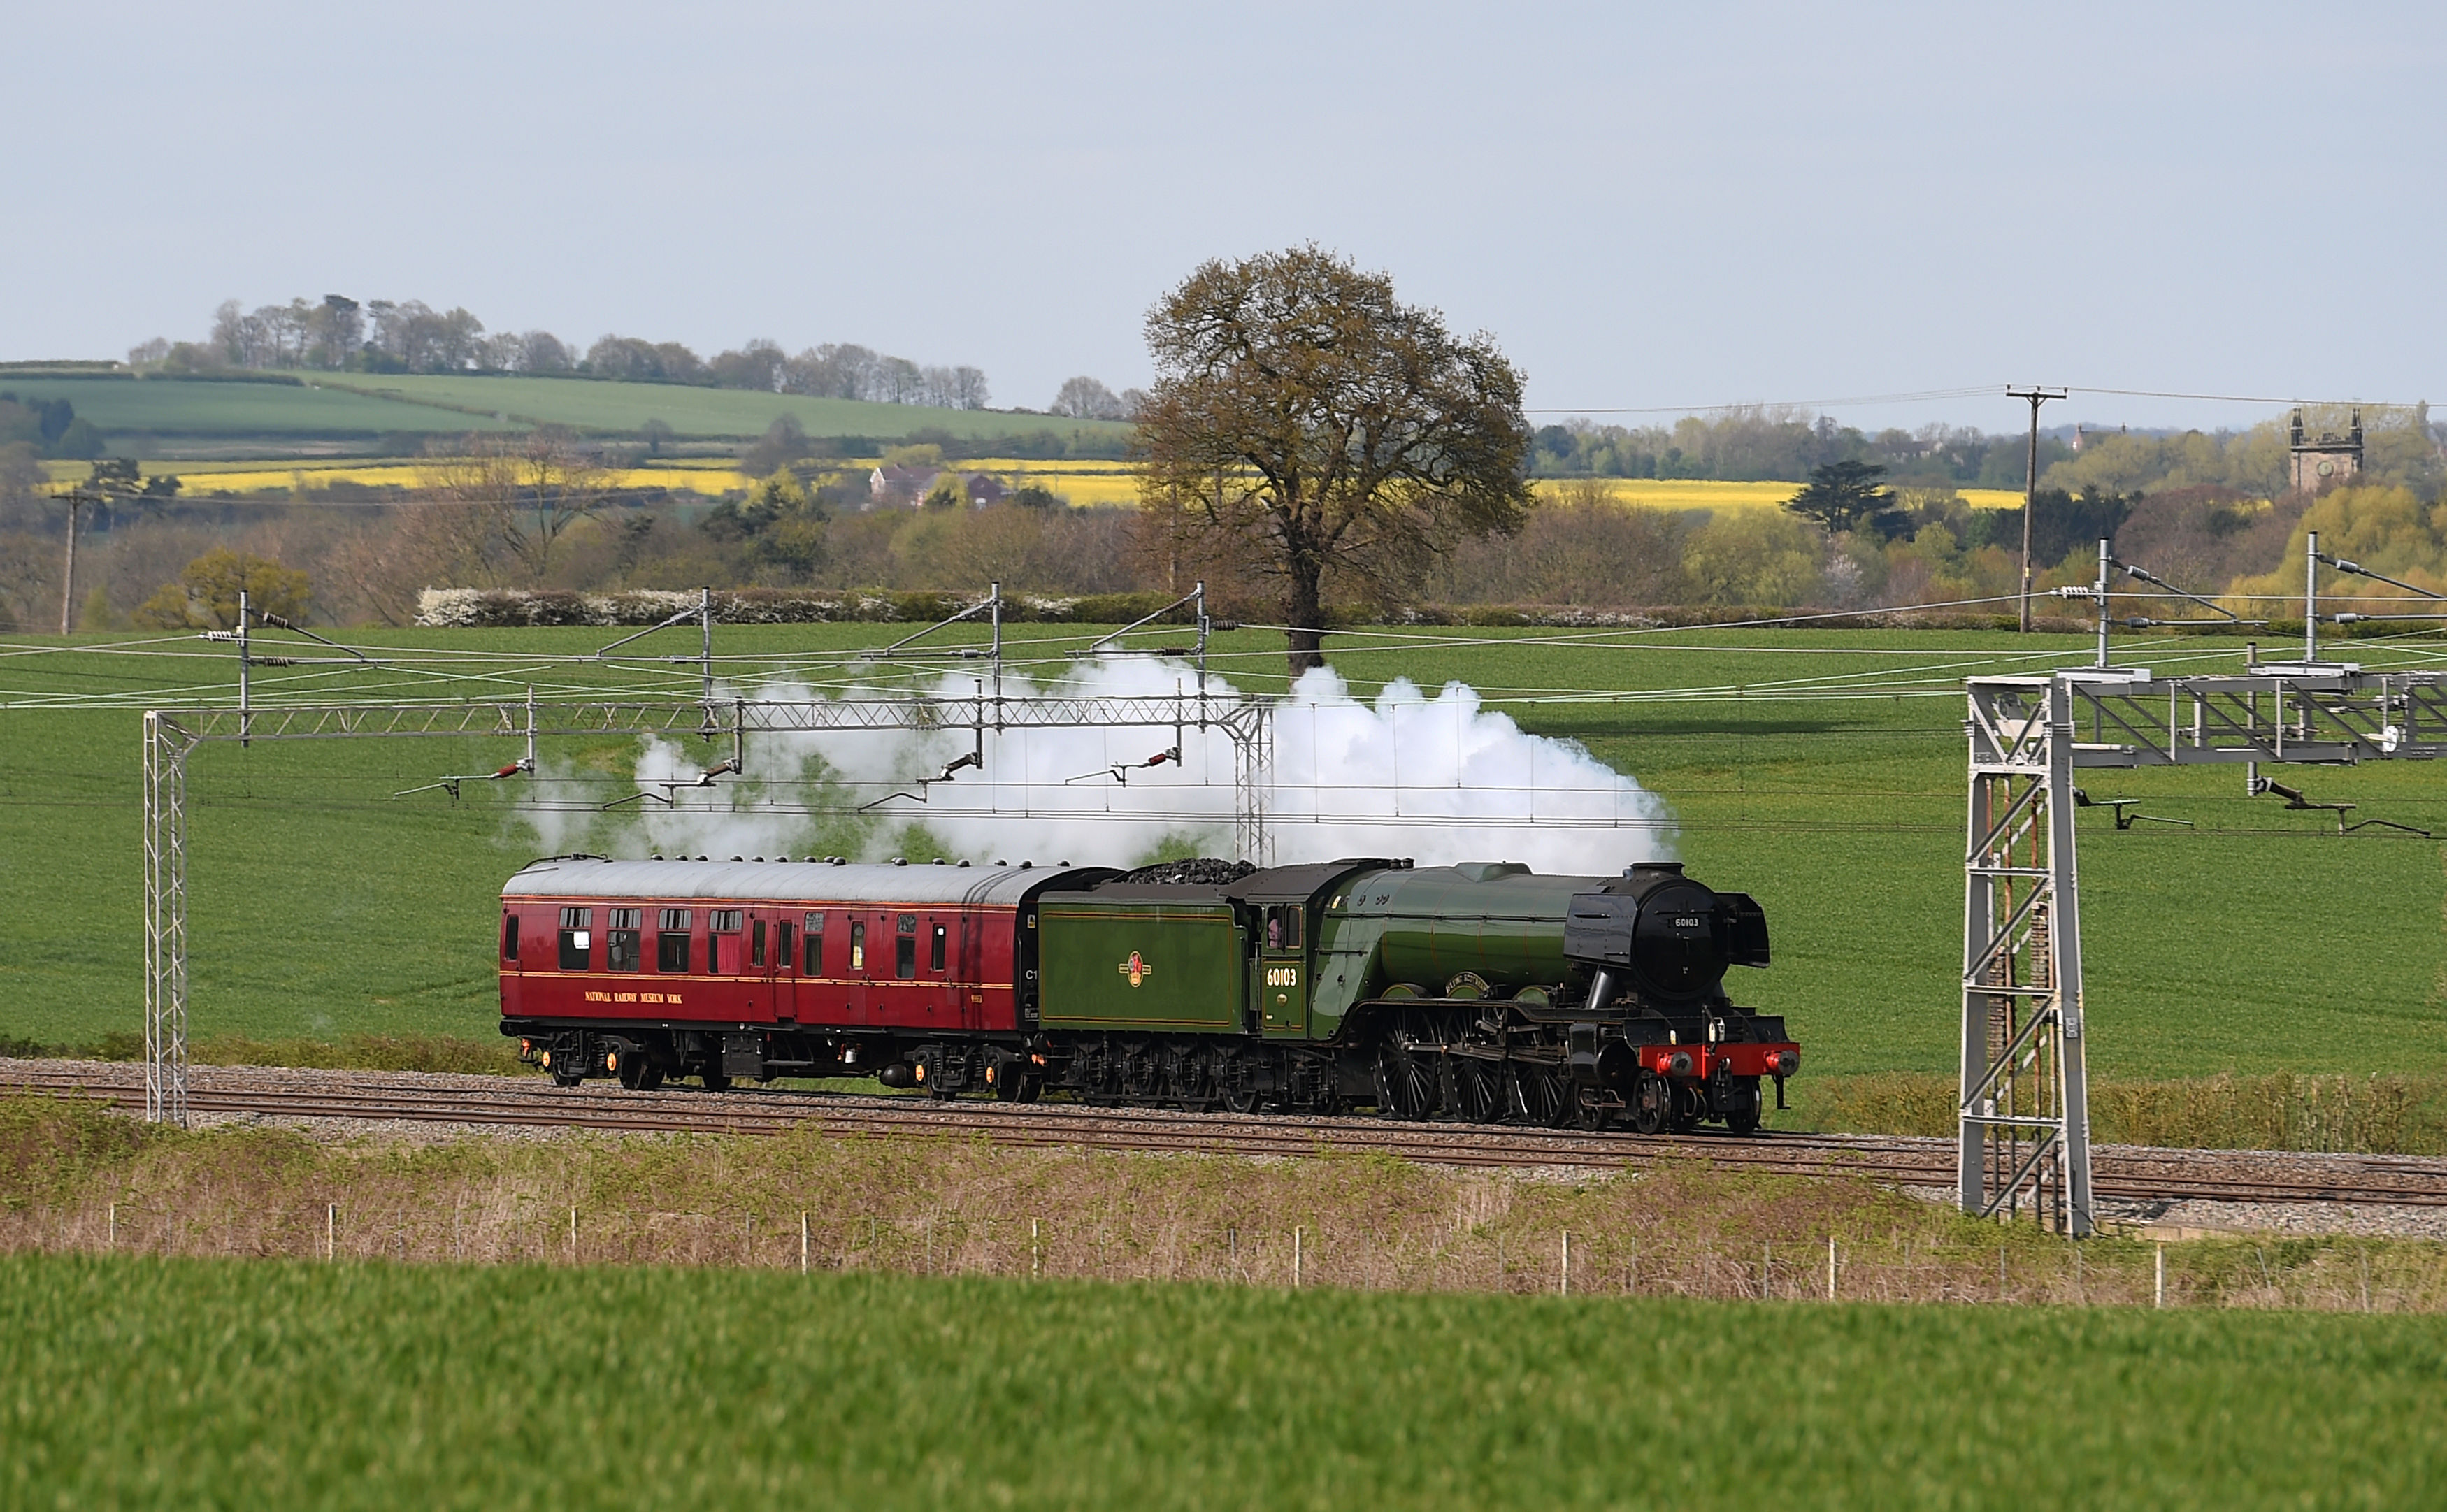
x,y
1936,395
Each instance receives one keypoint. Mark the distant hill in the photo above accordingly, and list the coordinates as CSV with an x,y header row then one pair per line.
x,y
161,416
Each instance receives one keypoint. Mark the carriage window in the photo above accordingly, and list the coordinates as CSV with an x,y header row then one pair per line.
x,y
576,917
858,947
815,947
675,918
782,947
576,946
509,937
756,943
671,951
623,944
935,960
725,920
904,957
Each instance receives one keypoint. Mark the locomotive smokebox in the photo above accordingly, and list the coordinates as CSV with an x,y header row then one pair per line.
x,y
1665,935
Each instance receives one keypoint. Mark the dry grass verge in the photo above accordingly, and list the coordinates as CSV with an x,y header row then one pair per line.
x,y
2381,1114
353,1052
74,1178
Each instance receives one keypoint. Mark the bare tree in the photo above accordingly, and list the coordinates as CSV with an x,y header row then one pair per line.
x,y
1084,398
1340,436
897,381
528,489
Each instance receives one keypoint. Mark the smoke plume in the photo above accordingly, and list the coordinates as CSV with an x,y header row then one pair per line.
x,y
1436,777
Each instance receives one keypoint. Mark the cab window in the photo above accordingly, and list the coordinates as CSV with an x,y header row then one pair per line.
x,y
1284,926
510,936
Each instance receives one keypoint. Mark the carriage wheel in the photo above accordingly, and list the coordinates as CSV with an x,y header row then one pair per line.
x,y
1588,1114
1743,1116
1652,1102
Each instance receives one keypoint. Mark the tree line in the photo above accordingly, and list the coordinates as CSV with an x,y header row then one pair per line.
x,y
2402,445
340,335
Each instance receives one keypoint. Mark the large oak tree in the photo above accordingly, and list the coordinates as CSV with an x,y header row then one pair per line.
x,y
1335,438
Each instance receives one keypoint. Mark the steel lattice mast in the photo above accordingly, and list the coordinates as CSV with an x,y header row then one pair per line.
x,y
2023,1110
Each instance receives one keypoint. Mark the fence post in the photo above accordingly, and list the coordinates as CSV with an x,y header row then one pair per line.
x,y
1296,1256
332,1232
1035,1253
573,1234
111,1240
2159,1299
1563,1281
803,1243
1830,1267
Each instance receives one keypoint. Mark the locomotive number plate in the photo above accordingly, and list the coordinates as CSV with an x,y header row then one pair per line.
x,y
1282,976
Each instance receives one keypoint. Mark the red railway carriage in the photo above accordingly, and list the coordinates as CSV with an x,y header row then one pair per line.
x,y
779,968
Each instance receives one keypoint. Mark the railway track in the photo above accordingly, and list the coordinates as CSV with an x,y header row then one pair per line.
x,y
2128,1172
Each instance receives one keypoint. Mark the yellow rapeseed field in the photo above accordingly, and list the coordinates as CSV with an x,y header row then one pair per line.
x,y
1680,493
1083,482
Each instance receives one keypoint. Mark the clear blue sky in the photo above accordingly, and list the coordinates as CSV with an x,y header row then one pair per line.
x,y
1649,205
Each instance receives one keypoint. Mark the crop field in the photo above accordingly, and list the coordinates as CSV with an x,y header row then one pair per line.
x,y
130,1382
164,406
366,403
586,404
1821,772
1698,493
1080,483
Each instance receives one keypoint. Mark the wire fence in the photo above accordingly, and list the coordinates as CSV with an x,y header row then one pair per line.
x,y
503,1227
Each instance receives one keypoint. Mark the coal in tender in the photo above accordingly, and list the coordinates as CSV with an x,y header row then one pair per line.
x,y
1199,871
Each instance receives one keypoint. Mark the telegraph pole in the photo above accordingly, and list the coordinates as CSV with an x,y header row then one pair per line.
x,y
76,499
2037,396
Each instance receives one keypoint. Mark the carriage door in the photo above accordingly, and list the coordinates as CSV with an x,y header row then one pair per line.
x,y
771,937
730,949
968,977
1282,969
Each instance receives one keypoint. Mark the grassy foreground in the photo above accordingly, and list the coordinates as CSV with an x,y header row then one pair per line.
x,y
278,1383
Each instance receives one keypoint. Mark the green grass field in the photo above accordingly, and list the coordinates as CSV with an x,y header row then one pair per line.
x,y
367,404
167,407
715,412
2261,941
258,1384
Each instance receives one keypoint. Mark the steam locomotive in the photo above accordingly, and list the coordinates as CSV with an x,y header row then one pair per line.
x,y
1476,993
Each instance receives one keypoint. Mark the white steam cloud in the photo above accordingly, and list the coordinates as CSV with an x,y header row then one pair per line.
x,y
1437,779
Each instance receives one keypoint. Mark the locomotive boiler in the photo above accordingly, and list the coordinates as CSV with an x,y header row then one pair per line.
x,y
1480,993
